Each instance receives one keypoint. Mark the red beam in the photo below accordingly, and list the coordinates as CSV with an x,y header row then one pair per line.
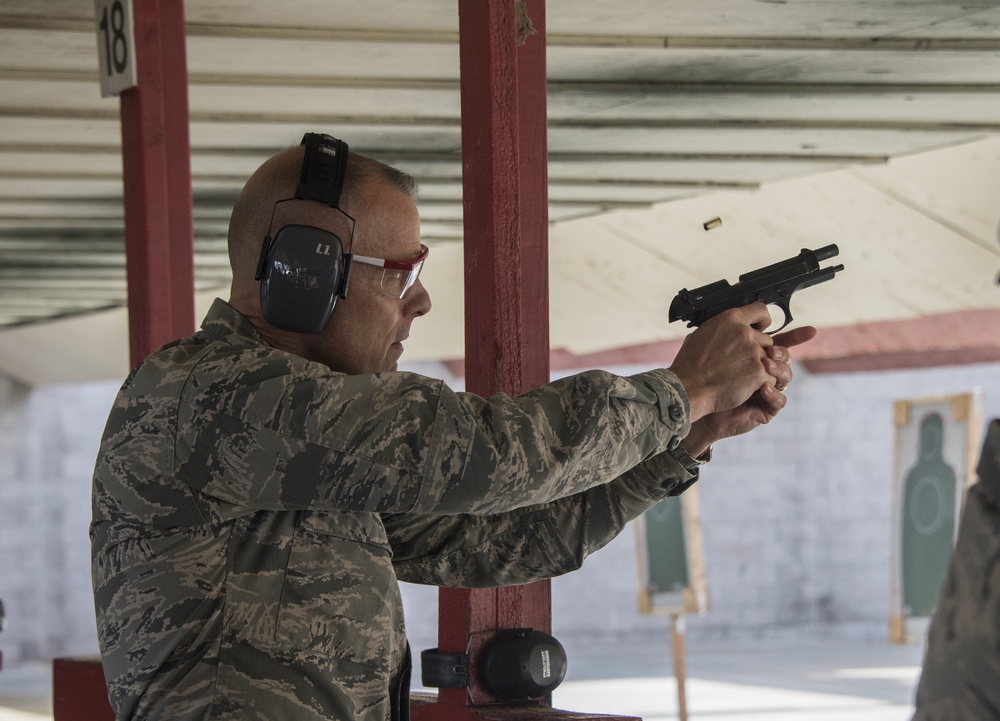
x,y
534,197
423,708
78,690
157,182
505,182
945,339
159,251
496,330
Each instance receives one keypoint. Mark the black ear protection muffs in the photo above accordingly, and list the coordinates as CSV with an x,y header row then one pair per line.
x,y
524,664
520,664
303,270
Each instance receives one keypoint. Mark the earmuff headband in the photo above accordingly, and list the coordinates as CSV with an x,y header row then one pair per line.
x,y
323,169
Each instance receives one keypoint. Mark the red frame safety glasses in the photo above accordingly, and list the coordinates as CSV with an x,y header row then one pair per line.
x,y
398,276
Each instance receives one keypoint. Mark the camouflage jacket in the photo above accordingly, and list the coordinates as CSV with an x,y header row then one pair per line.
x,y
252,512
961,672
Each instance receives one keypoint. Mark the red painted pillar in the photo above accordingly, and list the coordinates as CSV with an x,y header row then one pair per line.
x,y
499,328
157,169
78,691
505,189
159,250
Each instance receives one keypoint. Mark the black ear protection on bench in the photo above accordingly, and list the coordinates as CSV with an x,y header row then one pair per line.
x,y
520,664
303,270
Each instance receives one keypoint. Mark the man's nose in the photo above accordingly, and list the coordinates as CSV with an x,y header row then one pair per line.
x,y
418,300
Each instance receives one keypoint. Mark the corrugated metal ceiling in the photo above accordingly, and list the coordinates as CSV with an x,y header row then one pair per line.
x,y
781,116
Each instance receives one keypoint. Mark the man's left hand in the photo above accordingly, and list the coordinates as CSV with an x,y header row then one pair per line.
x,y
762,406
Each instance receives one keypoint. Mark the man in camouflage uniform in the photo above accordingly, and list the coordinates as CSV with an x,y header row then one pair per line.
x,y
259,492
961,674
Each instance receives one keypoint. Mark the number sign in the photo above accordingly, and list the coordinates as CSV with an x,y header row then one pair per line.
x,y
115,46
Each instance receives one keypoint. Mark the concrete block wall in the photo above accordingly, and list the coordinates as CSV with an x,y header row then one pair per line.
x,y
796,520
48,442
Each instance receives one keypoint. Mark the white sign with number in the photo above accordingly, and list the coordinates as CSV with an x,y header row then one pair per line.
x,y
115,46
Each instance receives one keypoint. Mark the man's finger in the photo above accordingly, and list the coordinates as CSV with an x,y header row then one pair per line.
x,y
796,336
771,400
755,314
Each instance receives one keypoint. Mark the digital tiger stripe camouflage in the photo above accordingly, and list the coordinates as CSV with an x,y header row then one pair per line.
x,y
254,510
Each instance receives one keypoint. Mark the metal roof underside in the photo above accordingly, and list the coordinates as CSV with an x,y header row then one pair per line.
x,y
874,125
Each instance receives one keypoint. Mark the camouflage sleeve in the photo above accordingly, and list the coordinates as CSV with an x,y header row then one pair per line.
x,y
532,543
400,442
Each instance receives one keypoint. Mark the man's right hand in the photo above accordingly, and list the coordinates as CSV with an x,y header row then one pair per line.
x,y
722,363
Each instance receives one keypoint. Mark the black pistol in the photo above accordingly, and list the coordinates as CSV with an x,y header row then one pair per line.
x,y
773,284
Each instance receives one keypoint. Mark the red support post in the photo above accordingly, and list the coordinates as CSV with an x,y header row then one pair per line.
x,y
78,690
534,196
159,236
500,262
159,250
505,192
496,327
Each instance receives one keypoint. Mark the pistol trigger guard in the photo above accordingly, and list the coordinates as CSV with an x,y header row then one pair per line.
x,y
787,310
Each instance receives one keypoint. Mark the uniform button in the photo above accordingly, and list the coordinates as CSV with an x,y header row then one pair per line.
x,y
676,413
674,442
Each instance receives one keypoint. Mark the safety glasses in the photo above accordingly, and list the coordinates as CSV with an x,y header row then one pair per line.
x,y
398,276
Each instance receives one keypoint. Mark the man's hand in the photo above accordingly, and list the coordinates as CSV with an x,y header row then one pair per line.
x,y
721,364
733,374
761,407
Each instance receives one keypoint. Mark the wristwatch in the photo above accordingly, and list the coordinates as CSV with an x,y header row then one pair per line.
x,y
686,460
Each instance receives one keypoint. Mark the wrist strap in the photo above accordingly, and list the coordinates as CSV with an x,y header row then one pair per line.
x,y
444,670
689,463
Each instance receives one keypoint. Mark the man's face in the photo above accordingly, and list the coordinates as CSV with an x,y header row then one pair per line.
x,y
365,334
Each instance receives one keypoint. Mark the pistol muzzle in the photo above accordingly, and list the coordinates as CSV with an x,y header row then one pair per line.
x,y
827,251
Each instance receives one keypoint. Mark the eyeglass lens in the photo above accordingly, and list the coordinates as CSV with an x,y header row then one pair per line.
x,y
397,282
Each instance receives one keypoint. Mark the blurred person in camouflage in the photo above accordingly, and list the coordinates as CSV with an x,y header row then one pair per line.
x,y
960,679
259,491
